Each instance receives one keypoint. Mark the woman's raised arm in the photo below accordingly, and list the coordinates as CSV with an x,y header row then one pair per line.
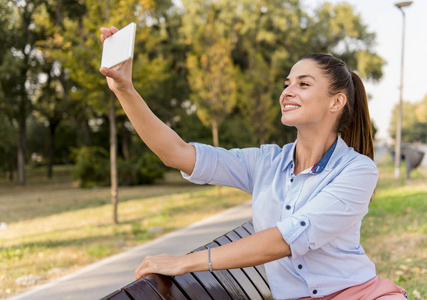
x,y
159,137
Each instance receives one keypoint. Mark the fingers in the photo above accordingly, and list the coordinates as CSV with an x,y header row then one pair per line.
x,y
143,269
104,71
113,72
107,32
159,264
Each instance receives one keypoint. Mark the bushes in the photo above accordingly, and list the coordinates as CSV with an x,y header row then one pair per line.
x,y
92,168
142,170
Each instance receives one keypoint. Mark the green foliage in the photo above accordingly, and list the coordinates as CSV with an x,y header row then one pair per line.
x,y
92,166
142,170
227,57
211,69
7,145
266,39
337,29
414,121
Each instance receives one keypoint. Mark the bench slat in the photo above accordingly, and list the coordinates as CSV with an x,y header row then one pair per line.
x,y
260,268
210,283
228,282
240,276
141,289
117,295
249,227
165,287
252,272
191,287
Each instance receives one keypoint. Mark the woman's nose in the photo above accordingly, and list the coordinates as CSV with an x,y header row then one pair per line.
x,y
288,92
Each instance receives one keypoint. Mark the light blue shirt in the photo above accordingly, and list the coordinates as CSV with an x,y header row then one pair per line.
x,y
319,212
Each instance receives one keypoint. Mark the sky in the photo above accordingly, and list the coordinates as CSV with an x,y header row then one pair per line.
x,y
385,19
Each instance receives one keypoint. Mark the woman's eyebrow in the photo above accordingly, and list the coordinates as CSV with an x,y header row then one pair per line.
x,y
302,77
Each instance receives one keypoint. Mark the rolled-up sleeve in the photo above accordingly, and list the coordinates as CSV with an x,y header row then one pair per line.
x,y
205,165
293,230
332,212
218,166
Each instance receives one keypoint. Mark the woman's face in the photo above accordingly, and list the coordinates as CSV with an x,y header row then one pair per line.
x,y
305,100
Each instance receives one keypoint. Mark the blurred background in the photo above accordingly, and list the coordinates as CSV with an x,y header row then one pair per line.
x,y
213,71
56,108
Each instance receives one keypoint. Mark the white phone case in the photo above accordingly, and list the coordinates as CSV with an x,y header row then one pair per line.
x,y
118,48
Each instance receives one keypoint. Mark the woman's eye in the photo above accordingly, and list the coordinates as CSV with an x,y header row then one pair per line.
x,y
285,85
304,84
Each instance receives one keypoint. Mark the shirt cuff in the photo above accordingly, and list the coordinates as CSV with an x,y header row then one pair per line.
x,y
203,172
294,233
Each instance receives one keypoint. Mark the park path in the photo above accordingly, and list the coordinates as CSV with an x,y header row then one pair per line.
x,y
100,279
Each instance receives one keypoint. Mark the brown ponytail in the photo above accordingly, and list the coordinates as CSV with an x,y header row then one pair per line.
x,y
356,131
354,125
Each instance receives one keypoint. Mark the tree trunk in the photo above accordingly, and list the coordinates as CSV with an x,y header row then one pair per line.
x,y
216,144
113,158
51,147
21,151
125,142
215,132
10,172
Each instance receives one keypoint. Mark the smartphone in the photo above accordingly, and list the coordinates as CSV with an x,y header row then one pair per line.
x,y
118,48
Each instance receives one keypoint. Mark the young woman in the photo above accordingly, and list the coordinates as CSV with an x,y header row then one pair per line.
x,y
309,197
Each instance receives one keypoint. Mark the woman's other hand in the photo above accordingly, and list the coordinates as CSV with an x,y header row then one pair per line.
x,y
160,264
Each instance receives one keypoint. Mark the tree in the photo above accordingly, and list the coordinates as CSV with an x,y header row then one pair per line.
x,y
256,99
212,79
18,69
51,104
80,56
337,29
52,101
267,37
212,75
86,73
414,121
408,121
421,110
7,146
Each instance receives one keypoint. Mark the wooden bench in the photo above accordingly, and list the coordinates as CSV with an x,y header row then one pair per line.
x,y
246,283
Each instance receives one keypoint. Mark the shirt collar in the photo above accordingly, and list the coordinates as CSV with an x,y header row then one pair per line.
x,y
319,166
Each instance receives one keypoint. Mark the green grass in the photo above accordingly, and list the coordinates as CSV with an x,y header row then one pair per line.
x,y
394,233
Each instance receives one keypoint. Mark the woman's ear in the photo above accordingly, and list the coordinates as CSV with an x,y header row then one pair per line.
x,y
338,103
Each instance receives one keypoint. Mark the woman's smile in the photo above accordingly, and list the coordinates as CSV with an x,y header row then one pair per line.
x,y
290,107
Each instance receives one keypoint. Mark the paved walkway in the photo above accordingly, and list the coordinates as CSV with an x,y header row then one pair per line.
x,y
98,280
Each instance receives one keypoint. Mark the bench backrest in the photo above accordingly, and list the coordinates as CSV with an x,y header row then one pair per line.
x,y
246,283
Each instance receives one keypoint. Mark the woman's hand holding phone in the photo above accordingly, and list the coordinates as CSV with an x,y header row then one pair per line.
x,y
119,78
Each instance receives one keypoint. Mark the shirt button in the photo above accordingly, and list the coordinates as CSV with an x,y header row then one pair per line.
x,y
288,207
314,292
300,267
302,223
292,180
